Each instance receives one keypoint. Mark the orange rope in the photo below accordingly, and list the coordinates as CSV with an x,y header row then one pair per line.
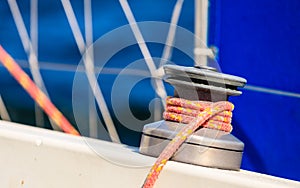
x,y
38,96
184,111
206,112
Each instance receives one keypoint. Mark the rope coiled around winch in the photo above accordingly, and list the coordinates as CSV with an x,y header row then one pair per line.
x,y
184,111
216,115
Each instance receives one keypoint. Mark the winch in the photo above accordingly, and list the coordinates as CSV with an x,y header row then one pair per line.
x,y
206,147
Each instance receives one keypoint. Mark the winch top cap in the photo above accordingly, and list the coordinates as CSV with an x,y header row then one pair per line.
x,y
203,74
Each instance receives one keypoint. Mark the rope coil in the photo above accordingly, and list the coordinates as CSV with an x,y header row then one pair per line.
x,y
216,115
184,111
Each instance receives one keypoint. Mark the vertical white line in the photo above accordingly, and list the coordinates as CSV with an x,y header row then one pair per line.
x,y
88,22
171,34
168,48
3,111
39,115
34,25
201,26
89,71
159,87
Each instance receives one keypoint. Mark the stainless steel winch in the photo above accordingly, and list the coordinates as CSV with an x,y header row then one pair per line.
x,y
206,147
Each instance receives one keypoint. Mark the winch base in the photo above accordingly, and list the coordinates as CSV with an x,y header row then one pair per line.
x,y
206,147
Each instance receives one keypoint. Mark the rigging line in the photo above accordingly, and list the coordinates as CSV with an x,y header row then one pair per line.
x,y
217,32
3,111
171,34
88,23
29,49
201,25
49,66
74,25
114,71
27,45
167,51
34,25
35,92
159,87
95,86
39,116
271,91
52,66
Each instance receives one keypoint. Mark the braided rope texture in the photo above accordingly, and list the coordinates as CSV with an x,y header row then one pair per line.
x,y
195,114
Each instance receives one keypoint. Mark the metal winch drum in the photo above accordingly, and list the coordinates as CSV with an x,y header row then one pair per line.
x,y
205,147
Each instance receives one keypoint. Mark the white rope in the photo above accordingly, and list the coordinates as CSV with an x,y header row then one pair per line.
x,y
88,23
34,25
32,58
80,68
171,34
28,47
201,25
93,129
271,91
168,50
39,115
3,111
74,25
159,87
88,62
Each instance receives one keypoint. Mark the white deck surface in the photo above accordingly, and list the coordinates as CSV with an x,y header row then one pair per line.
x,y
36,158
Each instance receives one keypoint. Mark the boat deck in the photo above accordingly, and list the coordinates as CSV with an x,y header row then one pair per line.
x,y
34,157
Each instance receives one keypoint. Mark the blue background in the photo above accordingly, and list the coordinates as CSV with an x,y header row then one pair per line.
x,y
257,39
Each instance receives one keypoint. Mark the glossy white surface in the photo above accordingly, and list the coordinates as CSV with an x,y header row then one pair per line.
x,y
33,157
